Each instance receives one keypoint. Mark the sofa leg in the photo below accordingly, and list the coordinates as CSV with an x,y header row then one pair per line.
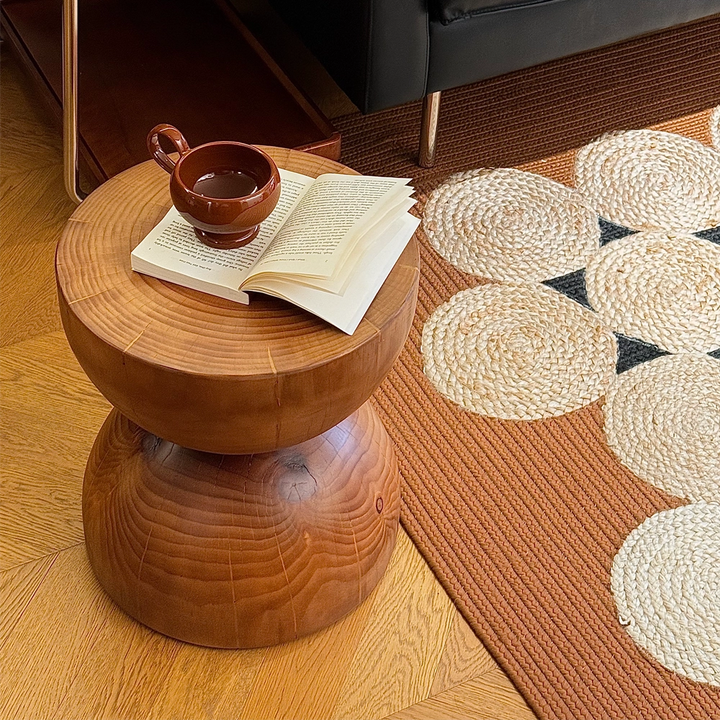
x,y
428,130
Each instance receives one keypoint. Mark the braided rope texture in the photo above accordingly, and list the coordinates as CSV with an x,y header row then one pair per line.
x,y
506,224
521,520
517,351
676,552
662,420
660,287
651,180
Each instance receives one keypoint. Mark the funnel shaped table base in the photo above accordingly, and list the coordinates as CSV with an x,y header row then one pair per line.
x,y
241,551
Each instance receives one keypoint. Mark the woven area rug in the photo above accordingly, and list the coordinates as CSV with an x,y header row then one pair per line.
x,y
557,408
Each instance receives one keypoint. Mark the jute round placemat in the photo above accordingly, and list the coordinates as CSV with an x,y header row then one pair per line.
x,y
646,179
661,287
510,225
662,420
666,582
518,352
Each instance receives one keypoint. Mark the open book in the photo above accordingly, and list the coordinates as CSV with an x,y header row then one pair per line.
x,y
327,247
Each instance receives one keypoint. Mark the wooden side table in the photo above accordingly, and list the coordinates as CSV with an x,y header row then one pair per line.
x,y
242,492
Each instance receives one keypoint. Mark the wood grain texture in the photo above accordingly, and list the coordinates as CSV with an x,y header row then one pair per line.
x,y
49,416
386,654
241,550
74,655
28,141
32,309
202,371
94,661
395,663
207,683
314,670
488,697
60,627
17,589
33,211
33,206
464,656
116,676
101,664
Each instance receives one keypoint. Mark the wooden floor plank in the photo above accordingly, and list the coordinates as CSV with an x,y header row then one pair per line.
x,y
396,661
17,589
33,211
30,138
53,640
29,295
209,684
95,661
49,416
121,675
488,697
65,625
33,206
463,658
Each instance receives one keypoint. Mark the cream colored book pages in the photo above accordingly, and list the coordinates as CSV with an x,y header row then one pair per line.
x,y
334,214
346,310
172,252
344,274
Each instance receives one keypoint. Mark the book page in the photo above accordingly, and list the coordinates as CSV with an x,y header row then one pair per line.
x,y
171,250
333,214
345,311
342,275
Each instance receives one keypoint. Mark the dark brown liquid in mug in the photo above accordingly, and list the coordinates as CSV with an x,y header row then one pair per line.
x,y
225,184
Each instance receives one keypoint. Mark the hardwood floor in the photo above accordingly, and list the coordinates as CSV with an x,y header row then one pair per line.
x,y
66,651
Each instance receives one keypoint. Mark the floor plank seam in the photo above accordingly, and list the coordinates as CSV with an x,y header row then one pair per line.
x,y
30,338
56,552
32,596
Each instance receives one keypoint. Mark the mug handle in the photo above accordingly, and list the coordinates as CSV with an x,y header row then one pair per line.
x,y
175,137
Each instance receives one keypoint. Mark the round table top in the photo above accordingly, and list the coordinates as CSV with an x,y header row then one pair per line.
x,y
109,311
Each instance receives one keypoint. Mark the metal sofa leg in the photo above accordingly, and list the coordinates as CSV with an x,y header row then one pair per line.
x,y
428,129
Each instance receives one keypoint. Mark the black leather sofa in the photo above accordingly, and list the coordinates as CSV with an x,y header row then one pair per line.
x,y
387,52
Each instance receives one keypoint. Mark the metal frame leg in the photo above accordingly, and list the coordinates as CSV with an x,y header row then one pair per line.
x,y
70,104
428,129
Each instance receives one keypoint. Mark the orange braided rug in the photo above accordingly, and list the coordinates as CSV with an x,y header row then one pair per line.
x,y
521,519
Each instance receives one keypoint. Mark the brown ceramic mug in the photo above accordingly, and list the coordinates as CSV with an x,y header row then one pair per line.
x,y
223,189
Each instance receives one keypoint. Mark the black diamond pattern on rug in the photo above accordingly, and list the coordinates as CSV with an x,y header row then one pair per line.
x,y
610,231
572,285
713,235
632,352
